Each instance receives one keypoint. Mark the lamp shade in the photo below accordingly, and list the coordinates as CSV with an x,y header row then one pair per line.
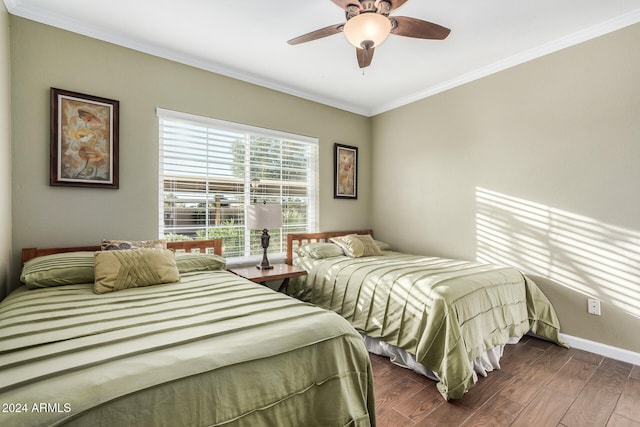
x,y
367,30
262,215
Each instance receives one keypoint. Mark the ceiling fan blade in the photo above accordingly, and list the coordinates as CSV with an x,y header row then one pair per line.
x,y
317,34
364,56
417,28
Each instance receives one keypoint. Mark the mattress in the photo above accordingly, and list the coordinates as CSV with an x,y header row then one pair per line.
x,y
213,349
446,313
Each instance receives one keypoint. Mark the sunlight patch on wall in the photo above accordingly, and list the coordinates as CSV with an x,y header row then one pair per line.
x,y
591,257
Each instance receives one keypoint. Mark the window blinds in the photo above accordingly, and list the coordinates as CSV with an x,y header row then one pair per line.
x,y
211,170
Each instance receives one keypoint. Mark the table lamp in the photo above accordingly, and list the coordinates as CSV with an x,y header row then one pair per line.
x,y
262,217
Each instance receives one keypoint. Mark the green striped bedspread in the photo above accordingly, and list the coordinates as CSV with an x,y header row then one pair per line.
x,y
213,349
444,312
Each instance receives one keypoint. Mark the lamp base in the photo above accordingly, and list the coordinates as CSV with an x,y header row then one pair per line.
x,y
265,264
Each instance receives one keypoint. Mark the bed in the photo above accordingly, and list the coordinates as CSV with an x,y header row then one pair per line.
x,y
212,349
447,319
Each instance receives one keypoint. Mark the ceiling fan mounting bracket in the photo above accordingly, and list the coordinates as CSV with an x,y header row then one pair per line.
x,y
368,6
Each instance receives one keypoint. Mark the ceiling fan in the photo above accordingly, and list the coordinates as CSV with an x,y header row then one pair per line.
x,y
368,25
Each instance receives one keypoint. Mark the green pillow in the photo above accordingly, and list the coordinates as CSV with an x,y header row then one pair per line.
x,y
384,246
58,269
320,250
189,262
132,268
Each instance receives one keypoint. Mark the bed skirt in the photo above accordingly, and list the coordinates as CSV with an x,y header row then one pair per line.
x,y
484,364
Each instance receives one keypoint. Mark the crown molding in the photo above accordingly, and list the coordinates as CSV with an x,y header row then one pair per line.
x,y
11,5
16,7
520,58
74,26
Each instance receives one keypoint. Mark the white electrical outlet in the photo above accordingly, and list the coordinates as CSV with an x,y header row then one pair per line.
x,y
593,306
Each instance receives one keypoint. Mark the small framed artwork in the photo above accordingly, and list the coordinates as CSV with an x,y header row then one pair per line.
x,y
345,166
84,140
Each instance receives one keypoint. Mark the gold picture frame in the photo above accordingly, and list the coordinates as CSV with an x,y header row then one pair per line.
x,y
84,140
345,168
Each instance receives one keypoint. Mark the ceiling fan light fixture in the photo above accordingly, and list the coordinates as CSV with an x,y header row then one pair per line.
x,y
367,30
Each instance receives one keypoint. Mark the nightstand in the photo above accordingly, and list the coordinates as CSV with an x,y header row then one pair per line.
x,y
282,272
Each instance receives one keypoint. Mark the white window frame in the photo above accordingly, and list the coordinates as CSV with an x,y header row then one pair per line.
x,y
247,130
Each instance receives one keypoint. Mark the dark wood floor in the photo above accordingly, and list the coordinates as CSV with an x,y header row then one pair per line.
x,y
539,384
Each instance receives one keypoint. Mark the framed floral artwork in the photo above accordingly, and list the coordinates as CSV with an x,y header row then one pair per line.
x,y
84,140
345,167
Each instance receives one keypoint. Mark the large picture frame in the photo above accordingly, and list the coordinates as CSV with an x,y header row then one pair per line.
x,y
84,140
345,168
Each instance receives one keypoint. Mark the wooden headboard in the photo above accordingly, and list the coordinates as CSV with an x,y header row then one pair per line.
x,y
202,246
295,240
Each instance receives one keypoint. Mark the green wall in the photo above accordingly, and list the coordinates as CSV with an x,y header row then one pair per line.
x,y
535,166
5,153
44,57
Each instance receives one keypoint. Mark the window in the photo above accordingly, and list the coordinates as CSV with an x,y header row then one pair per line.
x,y
211,170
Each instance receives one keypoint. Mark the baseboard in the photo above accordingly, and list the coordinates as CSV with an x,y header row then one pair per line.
x,y
602,349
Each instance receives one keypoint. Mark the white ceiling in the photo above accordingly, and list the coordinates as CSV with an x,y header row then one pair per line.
x,y
247,40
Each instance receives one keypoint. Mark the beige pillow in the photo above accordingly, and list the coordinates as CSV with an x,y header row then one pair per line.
x,y
132,268
357,245
351,246
370,246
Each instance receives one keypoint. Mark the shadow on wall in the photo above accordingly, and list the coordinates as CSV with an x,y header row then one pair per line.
x,y
592,258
